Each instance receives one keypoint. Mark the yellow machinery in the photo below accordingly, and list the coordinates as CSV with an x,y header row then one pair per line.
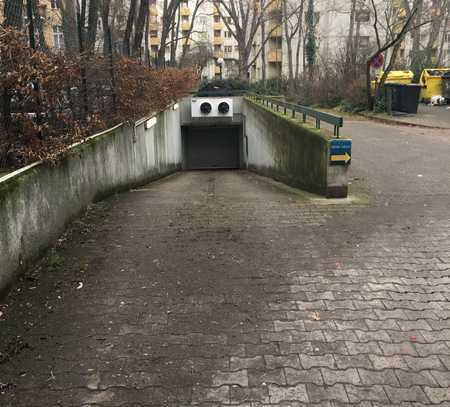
x,y
404,77
431,81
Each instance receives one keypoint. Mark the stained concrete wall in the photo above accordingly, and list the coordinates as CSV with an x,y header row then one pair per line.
x,y
290,151
37,202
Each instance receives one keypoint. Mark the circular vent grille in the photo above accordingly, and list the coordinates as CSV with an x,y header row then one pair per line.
x,y
224,108
206,108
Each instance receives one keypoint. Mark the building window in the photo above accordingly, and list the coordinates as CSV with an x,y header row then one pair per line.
x,y
153,19
185,19
184,33
153,33
58,37
217,19
227,34
363,16
217,33
54,4
364,41
217,48
228,49
236,48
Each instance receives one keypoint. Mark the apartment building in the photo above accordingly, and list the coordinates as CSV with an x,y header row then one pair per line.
x,y
49,15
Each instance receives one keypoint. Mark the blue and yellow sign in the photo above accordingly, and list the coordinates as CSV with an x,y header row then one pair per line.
x,y
340,151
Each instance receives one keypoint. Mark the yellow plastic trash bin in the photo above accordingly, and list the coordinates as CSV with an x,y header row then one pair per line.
x,y
403,77
431,81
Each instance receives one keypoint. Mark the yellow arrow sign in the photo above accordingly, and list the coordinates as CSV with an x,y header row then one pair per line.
x,y
344,157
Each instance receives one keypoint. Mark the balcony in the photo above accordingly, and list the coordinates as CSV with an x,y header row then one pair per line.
x,y
218,40
155,41
274,5
276,31
275,56
218,54
218,26
185,26
185,11
155,26
154,10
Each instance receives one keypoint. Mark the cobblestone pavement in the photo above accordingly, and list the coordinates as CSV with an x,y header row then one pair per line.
x,y
218,288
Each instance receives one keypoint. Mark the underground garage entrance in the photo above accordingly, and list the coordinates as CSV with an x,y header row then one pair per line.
x,y
212,147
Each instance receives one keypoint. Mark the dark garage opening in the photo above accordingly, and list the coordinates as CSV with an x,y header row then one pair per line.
x,y
212,147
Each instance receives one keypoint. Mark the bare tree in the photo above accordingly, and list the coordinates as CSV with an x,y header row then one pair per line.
x,y
247,17
391,42
293,28
170,8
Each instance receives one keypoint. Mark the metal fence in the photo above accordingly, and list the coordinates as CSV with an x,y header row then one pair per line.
x,y
305,112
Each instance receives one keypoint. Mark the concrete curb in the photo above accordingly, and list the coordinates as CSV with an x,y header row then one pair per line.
x,y
385,120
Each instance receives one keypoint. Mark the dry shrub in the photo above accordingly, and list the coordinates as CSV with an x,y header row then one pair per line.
x,y
49,102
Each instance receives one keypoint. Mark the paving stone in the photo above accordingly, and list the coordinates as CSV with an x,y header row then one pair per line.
x,y
289,325
274,362
340,376
437,348
308,361
290,393
355,348
388,362
240,378
441,377
258,378
437,395
321,393
219,394
296,376
423,363
399,395
371,377
256,362
403,348
344,362
240,395
357,394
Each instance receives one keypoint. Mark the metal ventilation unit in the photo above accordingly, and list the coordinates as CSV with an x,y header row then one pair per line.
x,y
207,107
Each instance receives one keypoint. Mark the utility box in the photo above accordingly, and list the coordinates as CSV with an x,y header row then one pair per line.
x,y
208,107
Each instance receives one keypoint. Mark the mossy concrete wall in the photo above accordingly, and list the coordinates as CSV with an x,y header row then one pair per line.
x,y
290,151
37,202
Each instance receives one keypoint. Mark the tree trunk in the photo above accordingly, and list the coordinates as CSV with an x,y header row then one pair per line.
x,y
94,7
13,12
69,27
415,54
263,54
140,26
129,28
350,38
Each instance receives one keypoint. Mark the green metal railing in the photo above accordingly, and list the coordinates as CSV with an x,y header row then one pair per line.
x,y
277,104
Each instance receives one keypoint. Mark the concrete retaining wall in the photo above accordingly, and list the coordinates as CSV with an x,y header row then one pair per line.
x,y
37,202
290,151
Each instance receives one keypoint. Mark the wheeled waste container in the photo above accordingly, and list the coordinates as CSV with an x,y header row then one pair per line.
x,y
402,98
432,82
446,86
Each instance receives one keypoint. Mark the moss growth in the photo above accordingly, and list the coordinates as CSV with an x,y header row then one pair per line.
x,y
299,151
